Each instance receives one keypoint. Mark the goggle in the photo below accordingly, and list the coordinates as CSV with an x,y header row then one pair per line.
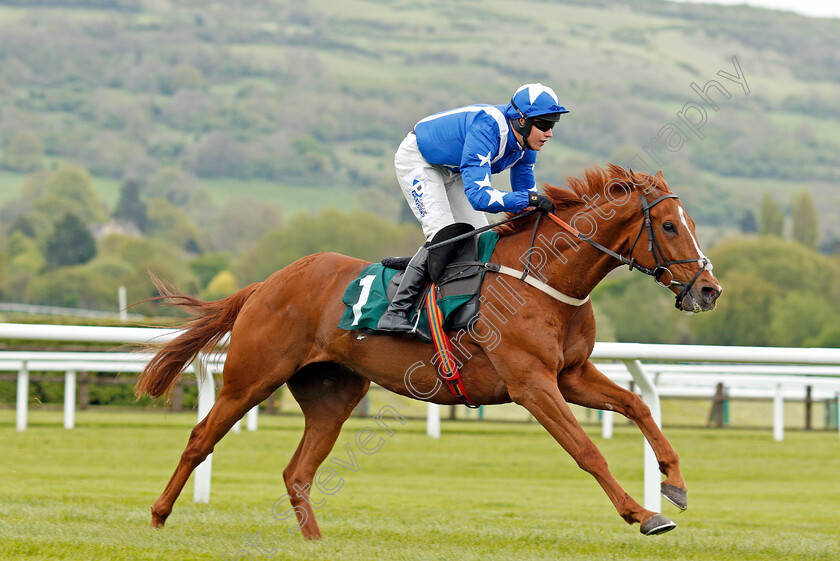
x,y
543,125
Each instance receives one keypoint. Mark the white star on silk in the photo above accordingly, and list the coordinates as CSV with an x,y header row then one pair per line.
x,y
484,159
484,183
496,197
534,91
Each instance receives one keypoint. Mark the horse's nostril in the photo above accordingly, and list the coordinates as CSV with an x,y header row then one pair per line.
x,y
710,293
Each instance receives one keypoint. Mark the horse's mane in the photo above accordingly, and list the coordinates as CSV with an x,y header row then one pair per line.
x,y
614,179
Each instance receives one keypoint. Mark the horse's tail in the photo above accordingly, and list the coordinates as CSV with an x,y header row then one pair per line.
x,y
212,321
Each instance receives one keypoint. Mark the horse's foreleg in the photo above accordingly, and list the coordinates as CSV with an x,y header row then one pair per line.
x,y
589,387
540,395
227,409
327,395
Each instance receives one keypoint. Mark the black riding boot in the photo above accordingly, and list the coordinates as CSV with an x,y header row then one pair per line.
x,y
396,317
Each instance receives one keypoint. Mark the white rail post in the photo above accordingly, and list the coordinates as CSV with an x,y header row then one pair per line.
x,y
206,398
433,420
237,427
837,412
69,399
22,398
607,423
123,304
778,415
251,418
653,480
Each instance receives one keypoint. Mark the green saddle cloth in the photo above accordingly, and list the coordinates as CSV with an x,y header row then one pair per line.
x,y
366,298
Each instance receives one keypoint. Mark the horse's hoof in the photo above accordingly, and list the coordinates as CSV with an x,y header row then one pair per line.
x,y
157,520
657,524
675,496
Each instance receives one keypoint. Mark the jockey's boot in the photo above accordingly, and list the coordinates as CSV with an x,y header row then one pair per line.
x,y
396,317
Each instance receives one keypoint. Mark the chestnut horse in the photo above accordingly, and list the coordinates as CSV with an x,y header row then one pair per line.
x,y
284,330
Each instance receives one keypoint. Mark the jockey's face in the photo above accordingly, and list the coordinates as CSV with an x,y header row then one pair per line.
x,y
537,137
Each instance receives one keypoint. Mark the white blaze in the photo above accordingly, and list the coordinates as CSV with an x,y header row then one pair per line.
x,y
694,240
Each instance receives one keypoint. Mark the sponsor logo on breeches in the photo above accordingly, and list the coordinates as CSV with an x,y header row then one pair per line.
x,y
417,195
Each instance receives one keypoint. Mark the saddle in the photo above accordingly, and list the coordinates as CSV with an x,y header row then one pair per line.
x,y
457,272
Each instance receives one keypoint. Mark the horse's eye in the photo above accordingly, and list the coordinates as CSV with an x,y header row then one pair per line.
x,y
669,227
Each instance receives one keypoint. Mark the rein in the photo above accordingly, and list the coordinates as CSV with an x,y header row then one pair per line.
x,y
654,249
477,231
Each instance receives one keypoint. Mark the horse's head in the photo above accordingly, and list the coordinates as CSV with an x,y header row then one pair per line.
x,y
666,244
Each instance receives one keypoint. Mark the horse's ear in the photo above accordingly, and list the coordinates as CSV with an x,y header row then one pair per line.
x,y
617,171
661,183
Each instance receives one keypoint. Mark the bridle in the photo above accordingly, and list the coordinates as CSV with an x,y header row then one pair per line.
x,y
654,248
662,263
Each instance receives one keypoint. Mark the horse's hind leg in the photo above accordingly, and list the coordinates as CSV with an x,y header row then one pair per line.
x,y
230,406
327,395
591,388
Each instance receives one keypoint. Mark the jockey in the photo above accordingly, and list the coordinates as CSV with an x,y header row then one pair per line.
x,y
444,167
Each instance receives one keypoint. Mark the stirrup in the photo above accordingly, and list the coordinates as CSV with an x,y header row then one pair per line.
x,y
407,328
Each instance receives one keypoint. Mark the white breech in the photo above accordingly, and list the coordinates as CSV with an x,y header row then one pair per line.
x,y
434,193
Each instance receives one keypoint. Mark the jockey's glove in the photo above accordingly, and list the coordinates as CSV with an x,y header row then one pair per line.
x,y
540,201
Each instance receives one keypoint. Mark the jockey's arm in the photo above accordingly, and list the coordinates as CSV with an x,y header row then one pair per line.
x,y
480,147
522,173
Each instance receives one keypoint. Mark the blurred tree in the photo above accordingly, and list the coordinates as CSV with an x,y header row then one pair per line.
x,y
828,338
805,221
33,224
69,190
4,267
24,255
358,234
144,256
208,266
35,185
16,71
799,317
240,222
216,155
110,153
775,293
748,224
192,110
639,311
170,223
312,157
130,208
73,287
223,284
187,76
70,243
786,265
772,217
743,316
175,185
24,151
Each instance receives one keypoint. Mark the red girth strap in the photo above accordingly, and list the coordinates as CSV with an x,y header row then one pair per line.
x,y
448,369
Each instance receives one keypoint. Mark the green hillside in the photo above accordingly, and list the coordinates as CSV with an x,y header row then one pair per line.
x,y
319,93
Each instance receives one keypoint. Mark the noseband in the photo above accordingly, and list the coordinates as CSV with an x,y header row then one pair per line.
x,y
654,249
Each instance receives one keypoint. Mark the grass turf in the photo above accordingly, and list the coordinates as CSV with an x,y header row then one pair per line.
x,y
484,491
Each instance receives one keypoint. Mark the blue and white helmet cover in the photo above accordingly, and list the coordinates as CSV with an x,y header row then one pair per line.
x,y
534,100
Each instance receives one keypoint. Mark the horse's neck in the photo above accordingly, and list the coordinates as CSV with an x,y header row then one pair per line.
x,y
582,265
566,263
